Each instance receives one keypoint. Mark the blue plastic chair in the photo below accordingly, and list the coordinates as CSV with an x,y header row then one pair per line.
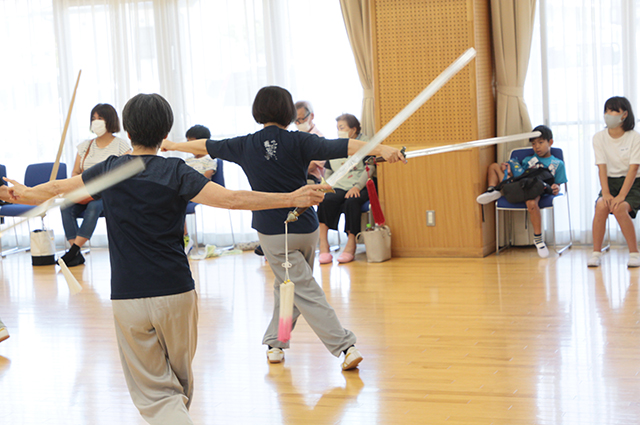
x,y
34,175
546,202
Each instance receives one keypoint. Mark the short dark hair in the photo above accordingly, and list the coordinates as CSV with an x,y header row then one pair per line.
x,y
110,116
198,132
148,119
545,133
351,121
274,104
621,104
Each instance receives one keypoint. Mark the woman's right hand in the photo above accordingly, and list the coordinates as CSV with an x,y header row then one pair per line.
x,y
167,145
391,154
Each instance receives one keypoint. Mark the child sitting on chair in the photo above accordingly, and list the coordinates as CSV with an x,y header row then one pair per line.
x,y
204,164
542,158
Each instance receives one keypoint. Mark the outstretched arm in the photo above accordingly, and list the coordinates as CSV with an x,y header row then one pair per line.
x,y
196,147
217,196
21,194
389,153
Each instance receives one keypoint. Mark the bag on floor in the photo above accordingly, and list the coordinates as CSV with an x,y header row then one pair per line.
x,y
43,249
377,241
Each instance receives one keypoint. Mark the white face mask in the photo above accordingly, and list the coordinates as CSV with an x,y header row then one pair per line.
x,y
343,134
613,121
305,126
99,127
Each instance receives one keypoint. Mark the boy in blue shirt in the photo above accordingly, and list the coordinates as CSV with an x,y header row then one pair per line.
x,y
542,158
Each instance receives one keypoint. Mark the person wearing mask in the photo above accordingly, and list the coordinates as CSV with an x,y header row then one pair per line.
x,y
350,194
104,123
304,122
617,153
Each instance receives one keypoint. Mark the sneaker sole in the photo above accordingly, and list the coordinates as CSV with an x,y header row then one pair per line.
x,y
355,362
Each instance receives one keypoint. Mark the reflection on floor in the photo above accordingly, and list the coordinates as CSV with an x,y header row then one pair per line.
x,y
512,339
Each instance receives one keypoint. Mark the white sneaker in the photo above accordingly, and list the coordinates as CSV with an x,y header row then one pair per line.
x,y
634,259
489,196
595,259
351,359
275,355
4,333
543,252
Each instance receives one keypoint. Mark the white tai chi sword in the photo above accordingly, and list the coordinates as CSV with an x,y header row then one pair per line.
x,y
467,145
396,121
97,185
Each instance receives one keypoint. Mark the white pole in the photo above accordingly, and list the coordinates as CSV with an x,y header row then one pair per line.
x,y
473,144
405,113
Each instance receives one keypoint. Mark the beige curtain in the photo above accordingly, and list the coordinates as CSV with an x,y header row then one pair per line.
x,y
358,24
512,22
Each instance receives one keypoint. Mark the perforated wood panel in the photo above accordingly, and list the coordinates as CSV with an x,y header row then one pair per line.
x,y
414,41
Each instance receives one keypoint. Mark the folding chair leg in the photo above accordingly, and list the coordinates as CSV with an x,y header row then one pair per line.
x,y
507,234
606,248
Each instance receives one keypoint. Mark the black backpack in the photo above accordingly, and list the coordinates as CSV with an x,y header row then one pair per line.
x,y
532,183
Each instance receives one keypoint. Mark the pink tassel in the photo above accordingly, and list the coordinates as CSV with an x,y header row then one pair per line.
x,y
286,311
284,329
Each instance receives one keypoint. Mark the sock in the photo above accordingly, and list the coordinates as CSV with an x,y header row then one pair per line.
x,y
71,254
537,239
491,189
345,351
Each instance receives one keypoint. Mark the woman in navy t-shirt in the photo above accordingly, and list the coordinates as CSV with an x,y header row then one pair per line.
x,y
276,160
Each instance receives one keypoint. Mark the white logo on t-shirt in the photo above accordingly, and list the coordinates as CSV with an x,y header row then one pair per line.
x,y
270,148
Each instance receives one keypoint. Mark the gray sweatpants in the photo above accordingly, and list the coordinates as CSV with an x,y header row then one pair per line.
x,y
309,299
157,340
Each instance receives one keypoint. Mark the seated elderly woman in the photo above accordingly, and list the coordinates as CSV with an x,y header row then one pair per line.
x,y
351,194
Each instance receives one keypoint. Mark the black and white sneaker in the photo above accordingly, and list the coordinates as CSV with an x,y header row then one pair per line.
x,y
489,196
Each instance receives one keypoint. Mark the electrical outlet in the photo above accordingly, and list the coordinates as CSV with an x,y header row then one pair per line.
x,y
431,218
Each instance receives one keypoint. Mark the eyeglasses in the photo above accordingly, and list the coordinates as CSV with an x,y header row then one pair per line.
x,y
301,120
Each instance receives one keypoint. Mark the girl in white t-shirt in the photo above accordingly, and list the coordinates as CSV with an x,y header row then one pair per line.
x,y
617,152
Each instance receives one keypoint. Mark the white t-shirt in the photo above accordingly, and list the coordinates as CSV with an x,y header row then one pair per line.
x,y
202,165
96,154
617,154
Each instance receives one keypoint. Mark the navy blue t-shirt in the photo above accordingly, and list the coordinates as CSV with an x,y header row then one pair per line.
x,y
277,160
145,226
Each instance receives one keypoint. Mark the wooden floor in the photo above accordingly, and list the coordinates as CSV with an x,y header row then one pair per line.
x,y
512,339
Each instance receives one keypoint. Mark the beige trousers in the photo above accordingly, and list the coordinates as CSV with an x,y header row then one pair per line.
x,y
157,339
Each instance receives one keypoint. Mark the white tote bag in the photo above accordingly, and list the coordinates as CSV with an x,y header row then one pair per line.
x,y
377,242
43,248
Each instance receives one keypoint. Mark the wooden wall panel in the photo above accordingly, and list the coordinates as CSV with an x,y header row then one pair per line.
x,y
414,41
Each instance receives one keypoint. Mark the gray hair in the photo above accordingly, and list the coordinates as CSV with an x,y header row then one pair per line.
x,y
304,104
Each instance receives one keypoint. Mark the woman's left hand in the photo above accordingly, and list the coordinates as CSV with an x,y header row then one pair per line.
x,y
555,189
618,200
354,192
